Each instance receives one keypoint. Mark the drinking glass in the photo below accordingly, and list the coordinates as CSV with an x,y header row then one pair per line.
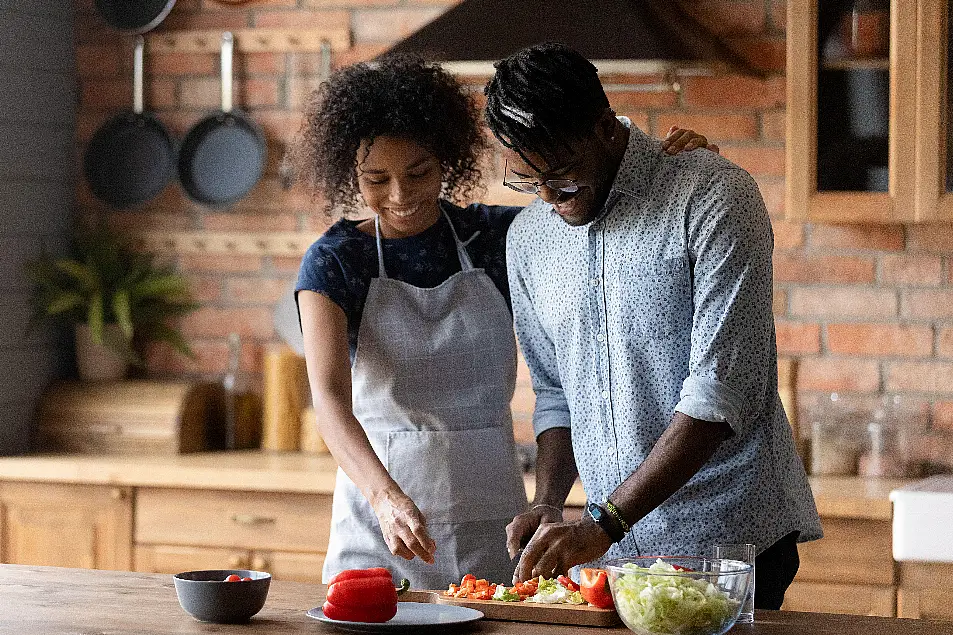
x,y
744,552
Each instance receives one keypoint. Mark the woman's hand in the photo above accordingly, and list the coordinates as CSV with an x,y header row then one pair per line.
x,y
403,526
679,139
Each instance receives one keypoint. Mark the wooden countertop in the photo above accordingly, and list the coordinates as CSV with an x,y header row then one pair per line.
x,y
845,497
55,601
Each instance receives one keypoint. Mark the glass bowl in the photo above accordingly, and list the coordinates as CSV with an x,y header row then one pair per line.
x,y
679,595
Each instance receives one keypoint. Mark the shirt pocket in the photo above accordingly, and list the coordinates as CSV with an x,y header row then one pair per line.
x,y
661,295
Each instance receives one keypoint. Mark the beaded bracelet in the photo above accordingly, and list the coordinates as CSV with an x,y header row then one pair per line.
x,y
612,509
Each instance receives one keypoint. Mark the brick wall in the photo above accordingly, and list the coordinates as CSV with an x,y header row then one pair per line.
x,y
37,103
865,310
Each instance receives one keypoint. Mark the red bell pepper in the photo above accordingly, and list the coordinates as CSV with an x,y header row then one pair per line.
x,y
594,587
363,595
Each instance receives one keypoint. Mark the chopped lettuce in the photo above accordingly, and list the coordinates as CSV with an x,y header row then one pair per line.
x,y
671,604
505,595
552,592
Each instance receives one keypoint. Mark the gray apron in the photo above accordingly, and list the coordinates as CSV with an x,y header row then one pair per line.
x,y
432,381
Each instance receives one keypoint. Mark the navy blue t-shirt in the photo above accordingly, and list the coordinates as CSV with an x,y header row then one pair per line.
x,y
341,264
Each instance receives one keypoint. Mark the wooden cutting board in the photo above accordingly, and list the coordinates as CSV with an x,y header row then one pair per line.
x,y
574,615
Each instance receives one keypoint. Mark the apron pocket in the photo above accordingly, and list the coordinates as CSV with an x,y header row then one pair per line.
x,y
457,476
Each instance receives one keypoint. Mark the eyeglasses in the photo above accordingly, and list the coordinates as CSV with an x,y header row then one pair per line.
x,y
563,186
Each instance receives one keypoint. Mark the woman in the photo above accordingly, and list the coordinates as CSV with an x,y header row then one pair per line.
x,y
407,327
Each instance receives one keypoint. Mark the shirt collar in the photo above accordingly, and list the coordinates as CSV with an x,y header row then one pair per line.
x,y
639,163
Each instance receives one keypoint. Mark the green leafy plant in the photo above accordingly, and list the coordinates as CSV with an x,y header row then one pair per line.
x,y
106,282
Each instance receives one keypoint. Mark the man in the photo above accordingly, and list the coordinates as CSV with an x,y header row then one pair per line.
x,y
642,296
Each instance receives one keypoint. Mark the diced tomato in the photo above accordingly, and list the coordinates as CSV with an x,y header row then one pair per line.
x,y
594,587
678,568
568,583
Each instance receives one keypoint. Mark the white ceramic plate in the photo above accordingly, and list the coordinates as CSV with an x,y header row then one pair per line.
x,y
411,617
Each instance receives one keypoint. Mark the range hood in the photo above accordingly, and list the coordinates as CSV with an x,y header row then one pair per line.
x,y
619,36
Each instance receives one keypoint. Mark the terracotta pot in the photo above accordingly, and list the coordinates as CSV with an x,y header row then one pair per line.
x,y
95,361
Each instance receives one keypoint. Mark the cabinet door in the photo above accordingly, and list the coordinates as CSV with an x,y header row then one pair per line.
x,y
852,551
84,526
176,558
934,150
852,599
851,112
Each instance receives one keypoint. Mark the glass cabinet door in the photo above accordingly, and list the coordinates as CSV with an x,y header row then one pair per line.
x,y
934,149
851,101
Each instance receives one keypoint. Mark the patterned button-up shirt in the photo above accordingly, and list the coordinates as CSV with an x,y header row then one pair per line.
x,y
663,304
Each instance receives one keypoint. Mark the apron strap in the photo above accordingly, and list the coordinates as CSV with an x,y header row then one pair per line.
x,y
465,263
380,250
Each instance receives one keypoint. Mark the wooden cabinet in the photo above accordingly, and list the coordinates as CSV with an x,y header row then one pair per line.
x,y
87,526
867,123
285,534
925,590
849,570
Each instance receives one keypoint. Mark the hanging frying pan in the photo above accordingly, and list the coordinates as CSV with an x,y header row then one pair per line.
x,y
222,156
131,158
134,16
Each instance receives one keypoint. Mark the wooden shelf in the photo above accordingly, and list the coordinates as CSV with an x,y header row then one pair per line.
x,y
242,243
253,40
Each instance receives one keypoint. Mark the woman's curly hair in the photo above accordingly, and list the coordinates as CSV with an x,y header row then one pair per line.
x,y
400,96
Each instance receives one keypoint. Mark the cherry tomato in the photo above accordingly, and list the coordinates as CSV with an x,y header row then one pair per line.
x,y
233,578
246,579
594,587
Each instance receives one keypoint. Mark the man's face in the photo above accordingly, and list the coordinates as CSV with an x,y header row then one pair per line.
x,y
586,163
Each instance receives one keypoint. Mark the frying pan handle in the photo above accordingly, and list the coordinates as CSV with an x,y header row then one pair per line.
x,y
228,43
137,100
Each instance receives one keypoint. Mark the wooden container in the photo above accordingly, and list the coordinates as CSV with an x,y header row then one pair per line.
x,y
130,417
284,395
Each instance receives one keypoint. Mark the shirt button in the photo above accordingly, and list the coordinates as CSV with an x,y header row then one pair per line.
x,y
605,394
601,337
611,449
595,282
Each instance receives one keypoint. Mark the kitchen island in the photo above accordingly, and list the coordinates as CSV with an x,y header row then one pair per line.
x,y
55,601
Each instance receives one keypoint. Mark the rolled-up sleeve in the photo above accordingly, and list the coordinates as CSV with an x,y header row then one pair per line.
x,y
552,410
733,349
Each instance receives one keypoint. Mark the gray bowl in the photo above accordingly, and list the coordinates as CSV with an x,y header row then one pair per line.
x,y
207,597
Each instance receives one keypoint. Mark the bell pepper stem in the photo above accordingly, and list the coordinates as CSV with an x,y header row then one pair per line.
x,y
404,586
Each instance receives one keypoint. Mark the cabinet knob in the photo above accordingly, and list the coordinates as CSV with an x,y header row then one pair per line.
x,y
248,520
236,562
258,563
118,493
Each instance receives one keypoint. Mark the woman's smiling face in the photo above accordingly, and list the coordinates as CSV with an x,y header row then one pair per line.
x,y
400,181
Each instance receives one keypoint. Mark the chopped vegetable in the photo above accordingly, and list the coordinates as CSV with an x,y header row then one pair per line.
x,y
363,595
594,587
671,604
552,592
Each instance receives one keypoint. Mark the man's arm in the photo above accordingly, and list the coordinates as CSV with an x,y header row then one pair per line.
x,y
555,464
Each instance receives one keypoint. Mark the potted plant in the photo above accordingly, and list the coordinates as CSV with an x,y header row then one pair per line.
x,y
116,298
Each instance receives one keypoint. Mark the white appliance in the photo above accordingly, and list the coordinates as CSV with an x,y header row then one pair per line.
x,y
923,520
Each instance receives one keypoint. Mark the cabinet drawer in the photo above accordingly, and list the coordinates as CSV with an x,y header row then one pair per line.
x,y
175,558
851,551
297,567
249,520
852,599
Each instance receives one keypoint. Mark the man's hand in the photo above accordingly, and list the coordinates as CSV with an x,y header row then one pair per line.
x,y
519,532
403,526
555,547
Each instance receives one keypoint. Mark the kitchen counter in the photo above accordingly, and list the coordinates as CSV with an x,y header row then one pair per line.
x,y
55,601
842,497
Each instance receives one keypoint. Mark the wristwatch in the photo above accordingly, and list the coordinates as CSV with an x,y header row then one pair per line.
x,y
606,522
